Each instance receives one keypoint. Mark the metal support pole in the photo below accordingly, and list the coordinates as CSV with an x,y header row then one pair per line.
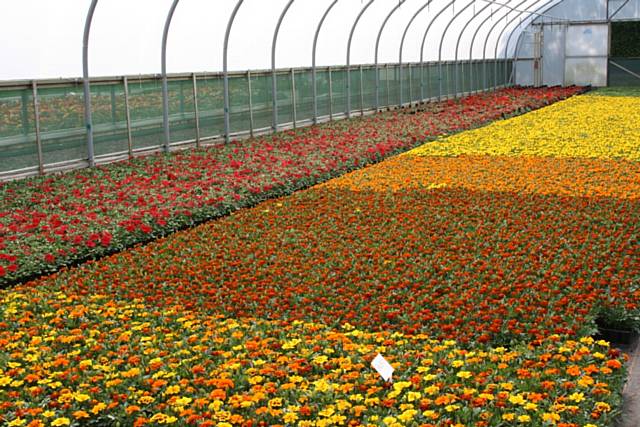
x,y
471,45
197,110
88,122
114,117
251,125
386,76
464,28
293,98
384,23
313,62
426,33
473,39
127,112
361,93
531,14
274,84
512,76
182,98
444,33
421,82
410,87
36,114
486,41
353,29
404,35
225,72
330,96
165,84
24,112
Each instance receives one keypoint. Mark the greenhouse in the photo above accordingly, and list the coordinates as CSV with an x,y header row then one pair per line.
x,y
315,213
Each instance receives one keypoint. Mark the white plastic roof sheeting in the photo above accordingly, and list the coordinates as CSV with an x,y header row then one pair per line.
x,y
43,39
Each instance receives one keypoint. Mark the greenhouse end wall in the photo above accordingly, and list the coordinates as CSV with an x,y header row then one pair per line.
x,y
571,45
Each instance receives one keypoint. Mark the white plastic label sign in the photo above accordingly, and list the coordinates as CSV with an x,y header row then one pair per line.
x,y
383,367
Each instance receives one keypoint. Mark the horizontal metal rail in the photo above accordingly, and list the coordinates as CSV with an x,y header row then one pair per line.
x,y
131,123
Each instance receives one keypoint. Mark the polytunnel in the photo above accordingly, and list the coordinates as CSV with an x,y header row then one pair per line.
x,y
343,58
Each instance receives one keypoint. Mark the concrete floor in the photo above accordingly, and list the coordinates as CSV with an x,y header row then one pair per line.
x,y
631,392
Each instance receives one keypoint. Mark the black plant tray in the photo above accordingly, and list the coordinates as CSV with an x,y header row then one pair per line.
x,y
617,337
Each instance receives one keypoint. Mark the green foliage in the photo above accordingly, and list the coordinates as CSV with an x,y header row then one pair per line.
x,y
625,39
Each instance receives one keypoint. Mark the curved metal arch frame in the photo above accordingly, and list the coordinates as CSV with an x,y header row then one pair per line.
x,y
511,21
462,31
444,34
165,83
88,121
274,84
544,8
473,41
424,39
486,40
313,61
384,23
530,12
404,35
500,34
225,72
353,29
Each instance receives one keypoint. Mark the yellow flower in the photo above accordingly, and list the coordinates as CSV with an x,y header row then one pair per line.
x,y
603,407
183,401
530,406
451,408
431,390
320,360
276,402
256,379
464,374
573,128
17,422
172,389
78,415
407,415
524,418
290,417
145,400
61,422
321,385
576,397
550,417
48,414
98,407
389,420
517,400
161,418
412,396
508,417
79,397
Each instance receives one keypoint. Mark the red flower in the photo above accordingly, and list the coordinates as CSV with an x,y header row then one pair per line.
x,y
49,258
105,239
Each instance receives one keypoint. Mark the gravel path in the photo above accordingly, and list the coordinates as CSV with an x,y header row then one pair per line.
x,y
631,392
